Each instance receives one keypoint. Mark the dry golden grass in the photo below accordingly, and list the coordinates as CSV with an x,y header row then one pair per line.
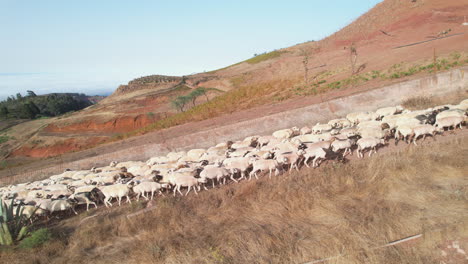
x,y
424,102
337,209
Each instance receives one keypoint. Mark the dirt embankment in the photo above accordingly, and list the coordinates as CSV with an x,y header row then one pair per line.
x,y
117,125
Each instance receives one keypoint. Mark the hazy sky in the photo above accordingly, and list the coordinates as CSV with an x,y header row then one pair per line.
x,y
93,46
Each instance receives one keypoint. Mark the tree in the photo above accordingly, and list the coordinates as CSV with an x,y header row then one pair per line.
x,y
26,111
19,96
180,102
4,111
31,93
196,93
353,58
305,63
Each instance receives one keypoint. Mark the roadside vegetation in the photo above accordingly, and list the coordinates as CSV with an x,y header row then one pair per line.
x,y
345,210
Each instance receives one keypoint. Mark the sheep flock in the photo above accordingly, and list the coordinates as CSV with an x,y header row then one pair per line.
x,y
230,162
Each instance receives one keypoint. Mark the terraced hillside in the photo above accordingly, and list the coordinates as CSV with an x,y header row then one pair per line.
x,y
379,44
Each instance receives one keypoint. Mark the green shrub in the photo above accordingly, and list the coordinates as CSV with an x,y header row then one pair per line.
x,y
395,75
13,224
4,138
36,239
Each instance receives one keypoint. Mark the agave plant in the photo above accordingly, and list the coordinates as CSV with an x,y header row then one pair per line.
x,y
13,226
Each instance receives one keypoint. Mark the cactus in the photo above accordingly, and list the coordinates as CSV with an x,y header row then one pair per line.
x,y
13,227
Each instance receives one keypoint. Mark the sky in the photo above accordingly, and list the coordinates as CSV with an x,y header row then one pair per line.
x,y
93,46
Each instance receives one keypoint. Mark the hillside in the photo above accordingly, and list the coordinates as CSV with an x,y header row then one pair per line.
x,y
287,75
346,212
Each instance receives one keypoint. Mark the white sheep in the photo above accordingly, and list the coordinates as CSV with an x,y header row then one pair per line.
x,y
305,130
263,165
147,187
157,160
448,122
320,128
290,158
339,123
365,143
241,144
349,132
187,181
235,165
115,191
387,111
240,152
286,133
405,132
215,172
194,154
60,205
423,130
316,153
450,113
83,198
345,145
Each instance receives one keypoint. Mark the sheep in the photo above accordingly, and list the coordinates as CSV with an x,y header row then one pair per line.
x,y
290,158
312,138
267,140
61,205
286,133
448,122
321,144
241,144
316,153
319,128
263,154
235,165
104,180
43,203
340,123
450,113
345,145
215,172
85,188
305,130
86,197
157,160
194,154
212,157
423,130
30,211
116,191
374,132
240,152
349,132
187,181
286,147
365,143
56,187
37,194
357,117
263,165
387,111
57,193
404,132
147,187
140,170
369,124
